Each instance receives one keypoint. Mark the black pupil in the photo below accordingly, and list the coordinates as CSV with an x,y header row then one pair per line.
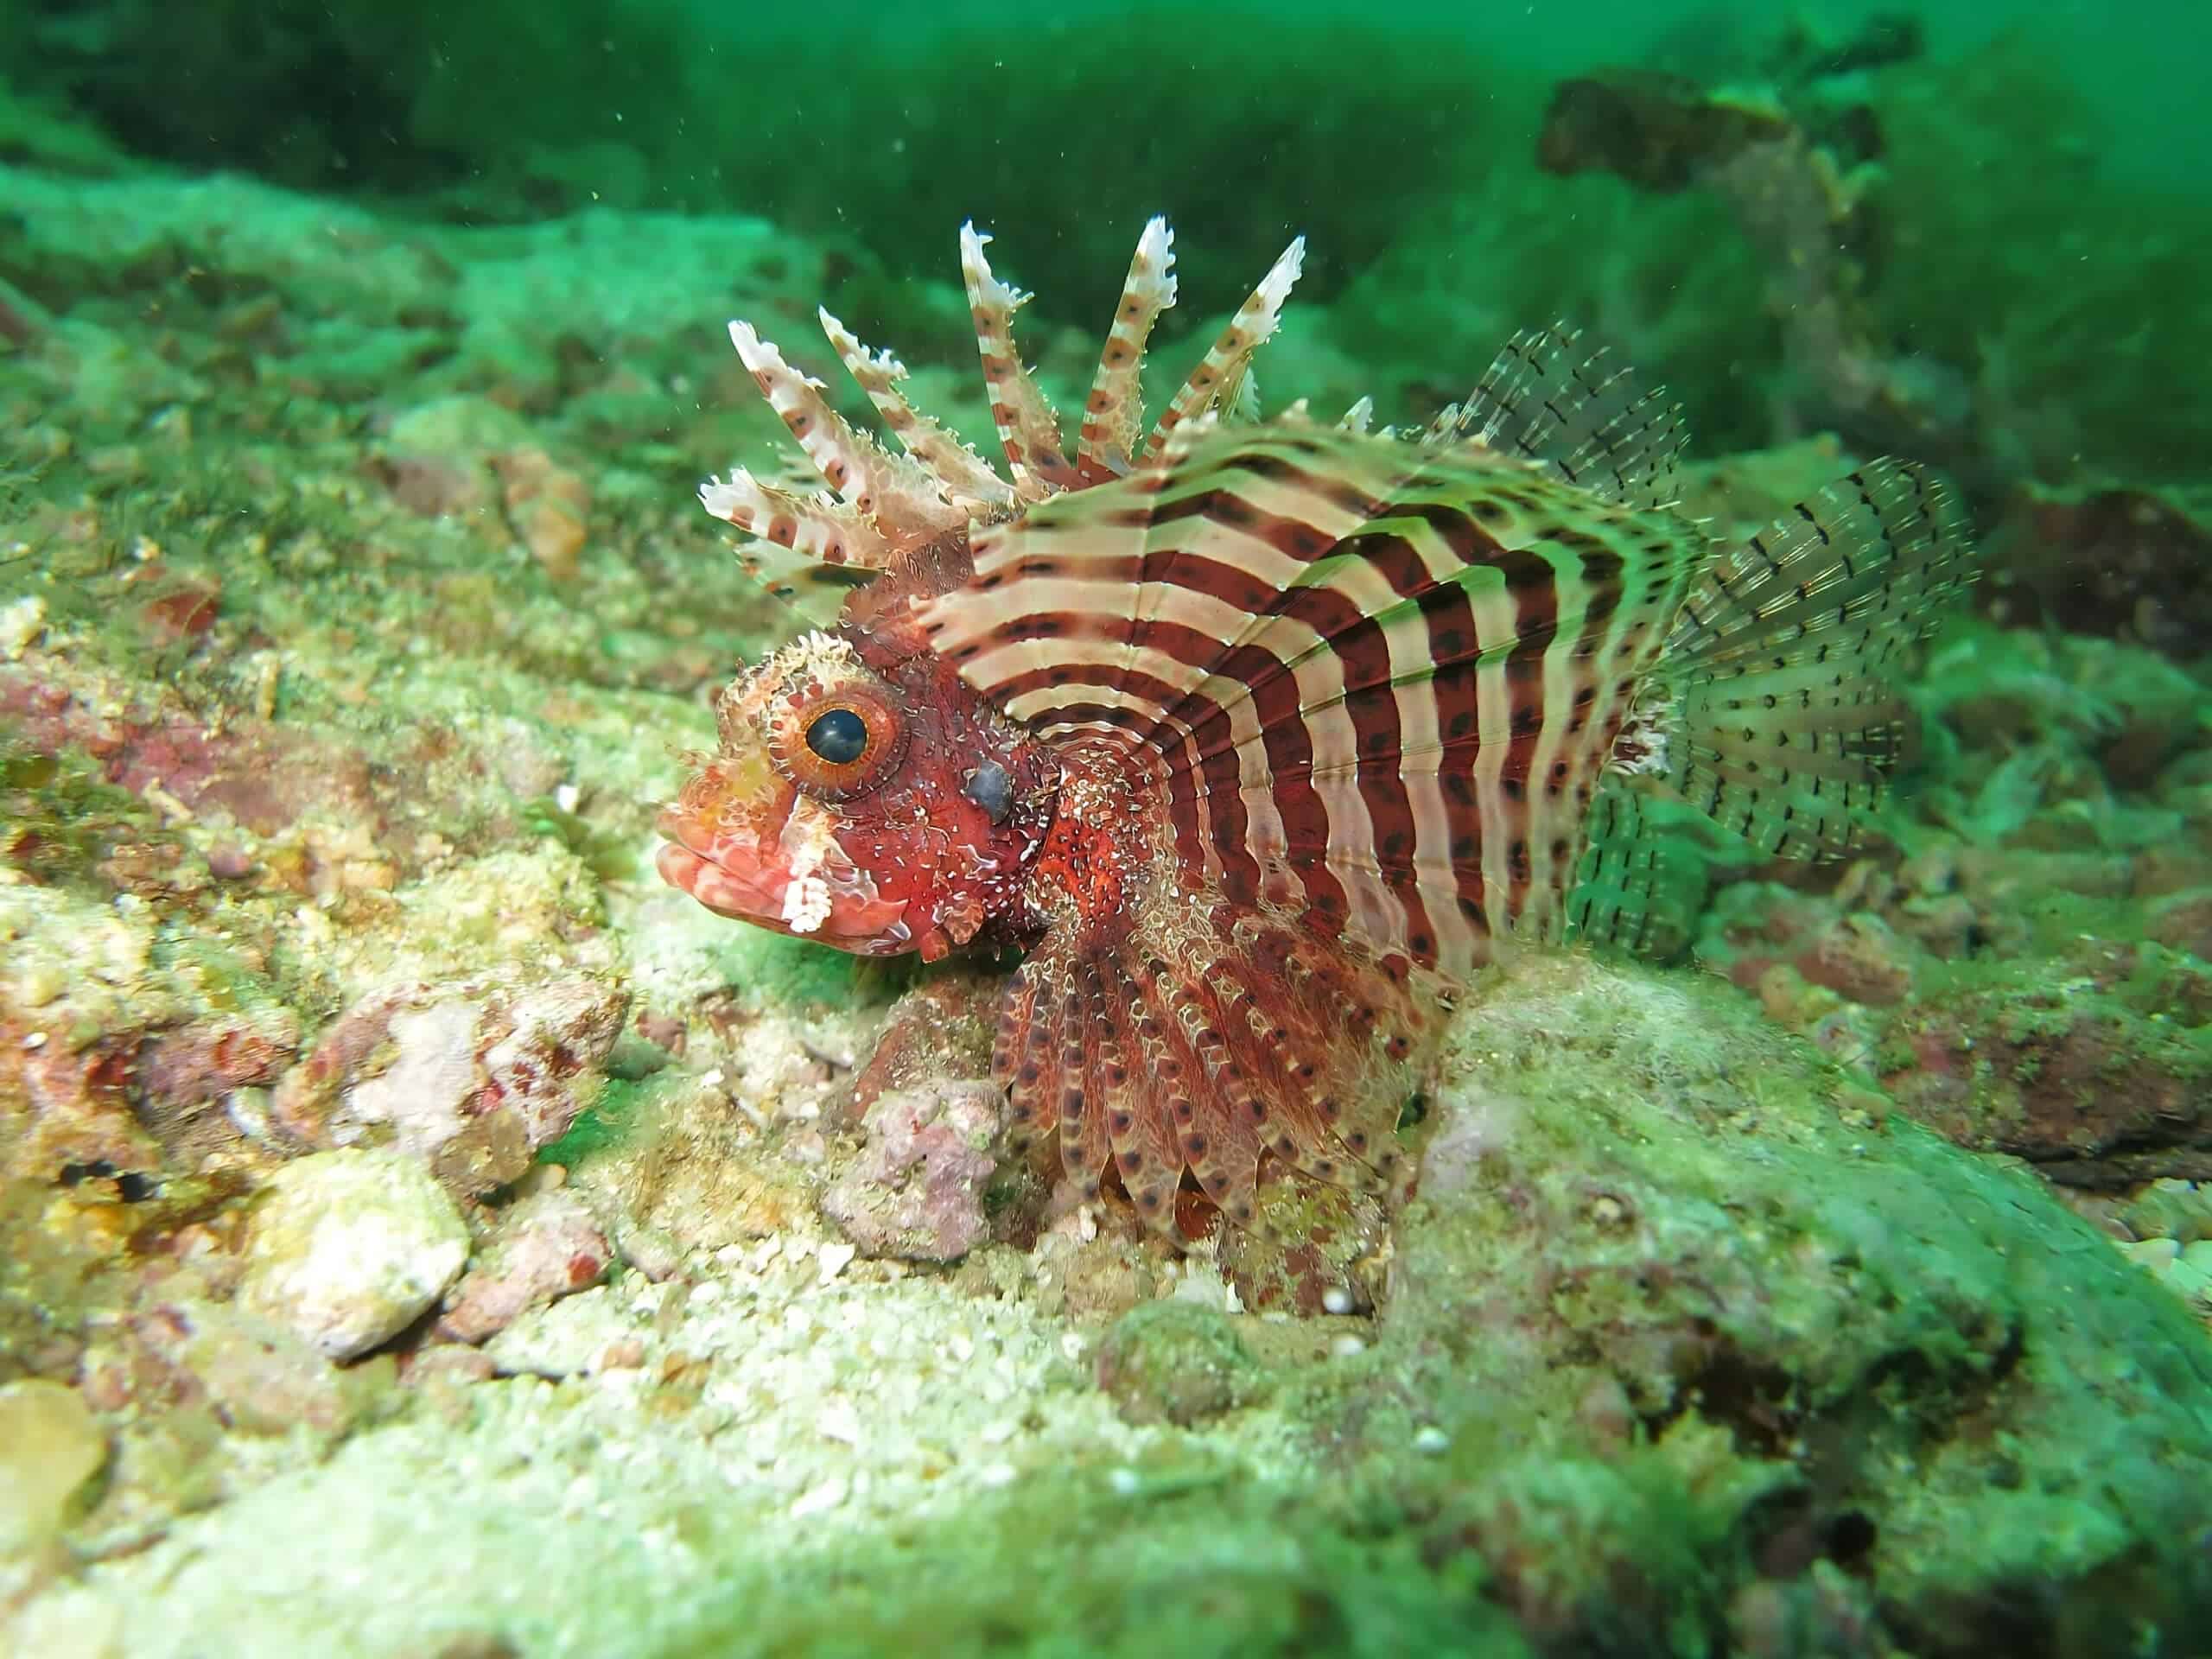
x,y
839,737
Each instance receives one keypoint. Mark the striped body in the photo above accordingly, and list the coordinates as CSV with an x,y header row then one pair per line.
x,y
1270,734
1381,683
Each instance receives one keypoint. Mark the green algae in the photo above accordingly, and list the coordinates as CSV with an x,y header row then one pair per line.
x,y
1225,1569
608,1122
1680,1327
1907,1365
608,854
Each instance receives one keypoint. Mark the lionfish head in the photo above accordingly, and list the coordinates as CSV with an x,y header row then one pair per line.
x,y
879,811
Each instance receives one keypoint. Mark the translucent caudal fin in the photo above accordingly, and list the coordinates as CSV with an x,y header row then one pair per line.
x,y
1783,714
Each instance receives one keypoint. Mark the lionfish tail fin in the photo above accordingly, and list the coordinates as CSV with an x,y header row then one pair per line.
x,y
1208,1045
1574,407
1029,428
1782,664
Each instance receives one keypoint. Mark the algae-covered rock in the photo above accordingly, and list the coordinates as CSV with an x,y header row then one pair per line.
x,y
50,1446
471,1077
1643,1215
542,1247
1176,1362
350,1247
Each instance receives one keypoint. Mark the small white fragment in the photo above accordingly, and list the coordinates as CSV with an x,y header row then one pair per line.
x,y
1429,1440
22,621
828,1496
1125,1483
1346,1346
567,796
834,1259
166,804
996,1474
839,1421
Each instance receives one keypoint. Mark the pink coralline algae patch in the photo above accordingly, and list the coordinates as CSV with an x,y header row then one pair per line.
x,y
917,1190
262,775
471,1075
79,1115
543,1247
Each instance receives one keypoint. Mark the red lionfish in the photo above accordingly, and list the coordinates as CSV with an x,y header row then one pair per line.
x,y
1261,736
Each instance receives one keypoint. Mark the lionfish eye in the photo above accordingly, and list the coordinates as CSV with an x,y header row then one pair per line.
x,y
838,744
839,737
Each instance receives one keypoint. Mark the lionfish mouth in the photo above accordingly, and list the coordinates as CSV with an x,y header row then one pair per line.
x,y
768,857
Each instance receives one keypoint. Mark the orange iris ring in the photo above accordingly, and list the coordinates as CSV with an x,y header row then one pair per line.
x,y
827,780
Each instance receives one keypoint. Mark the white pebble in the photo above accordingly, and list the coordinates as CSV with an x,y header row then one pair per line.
x,y
349,1248
21,622
1429,1440
1346,1346
1336,1300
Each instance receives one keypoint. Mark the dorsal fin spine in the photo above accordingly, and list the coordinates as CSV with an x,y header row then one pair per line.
x,y
1029,430
1115,411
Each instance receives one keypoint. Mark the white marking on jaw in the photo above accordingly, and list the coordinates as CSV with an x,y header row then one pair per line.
x,y
806,903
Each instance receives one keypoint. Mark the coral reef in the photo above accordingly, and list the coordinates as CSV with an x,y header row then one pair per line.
x,y
1679,1335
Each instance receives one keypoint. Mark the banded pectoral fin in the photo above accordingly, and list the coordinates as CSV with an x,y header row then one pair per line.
x,y
1218,1042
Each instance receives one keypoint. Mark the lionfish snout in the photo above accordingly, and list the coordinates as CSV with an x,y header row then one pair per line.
x,y
746,845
